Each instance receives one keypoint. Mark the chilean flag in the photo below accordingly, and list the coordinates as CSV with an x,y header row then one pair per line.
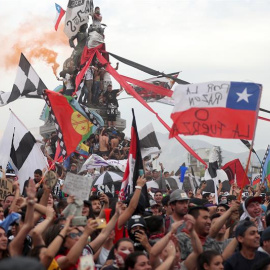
x,y
216,109
59,15
134,164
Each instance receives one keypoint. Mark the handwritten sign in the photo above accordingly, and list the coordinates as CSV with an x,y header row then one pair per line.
x,y
5,188
216,109
77,185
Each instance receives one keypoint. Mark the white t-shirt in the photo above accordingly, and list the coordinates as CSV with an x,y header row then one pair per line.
x,y
89,74
68,82
103,255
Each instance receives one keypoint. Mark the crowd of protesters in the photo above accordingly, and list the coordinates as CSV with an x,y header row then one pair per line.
x,y
181,229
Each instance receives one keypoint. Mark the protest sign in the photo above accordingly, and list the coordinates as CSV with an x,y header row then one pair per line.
x,y
77,185
5,188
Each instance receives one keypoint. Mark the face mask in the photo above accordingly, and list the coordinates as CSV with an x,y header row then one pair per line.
x,y
121,256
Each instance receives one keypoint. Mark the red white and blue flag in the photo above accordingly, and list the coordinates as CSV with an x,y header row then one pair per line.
x,y
59,15
216,109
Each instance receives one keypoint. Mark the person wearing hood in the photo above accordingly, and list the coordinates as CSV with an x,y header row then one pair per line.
x,y
252,209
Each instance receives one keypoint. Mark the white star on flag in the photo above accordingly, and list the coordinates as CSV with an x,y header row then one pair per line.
x,y
243,96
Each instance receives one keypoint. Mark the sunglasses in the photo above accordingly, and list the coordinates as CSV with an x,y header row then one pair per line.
x,y
74,235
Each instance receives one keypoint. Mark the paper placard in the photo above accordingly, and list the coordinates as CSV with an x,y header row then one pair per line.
x,y
77,185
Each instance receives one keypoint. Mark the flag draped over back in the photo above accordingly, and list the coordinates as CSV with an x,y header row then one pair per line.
x,y
19,147
148,141
77,14
72,126
134,164
216,109
235,170
59,15
27,84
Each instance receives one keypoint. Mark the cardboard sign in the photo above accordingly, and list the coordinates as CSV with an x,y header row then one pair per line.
x,y
77,185
5,188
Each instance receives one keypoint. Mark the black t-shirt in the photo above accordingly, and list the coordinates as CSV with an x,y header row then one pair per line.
x,y
238,262
111,97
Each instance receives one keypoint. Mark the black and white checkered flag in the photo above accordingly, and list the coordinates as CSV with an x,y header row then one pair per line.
x,y
27,84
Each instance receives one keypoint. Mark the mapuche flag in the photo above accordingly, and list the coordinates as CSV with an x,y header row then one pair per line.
x,y
134,164
72,126
216,109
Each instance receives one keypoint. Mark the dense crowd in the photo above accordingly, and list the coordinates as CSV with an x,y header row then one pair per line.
x,y
179,230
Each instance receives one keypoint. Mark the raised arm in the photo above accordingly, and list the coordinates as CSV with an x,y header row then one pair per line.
x,y
55,245
215,228
16,245
126,215
162,243
230,249
99,241
195,242
13,206
75,252
37,232
167,264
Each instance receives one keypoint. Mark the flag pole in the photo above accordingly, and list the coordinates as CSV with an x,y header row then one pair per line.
x,y
246,170
18,119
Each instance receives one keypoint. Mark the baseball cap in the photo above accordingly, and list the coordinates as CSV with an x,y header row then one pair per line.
x,y
253,199
74,164
153,203
136,220
178,195
10,173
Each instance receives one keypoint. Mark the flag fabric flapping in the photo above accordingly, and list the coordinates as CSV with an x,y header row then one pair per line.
x,y
146,69
148,141
27,84
248,145
59,15
96,161
134,164
235,172
256,181
213,174
131,91
71,125
77,14
19,148
216,109
154,89
265,169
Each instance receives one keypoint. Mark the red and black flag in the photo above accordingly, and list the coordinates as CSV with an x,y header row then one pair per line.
x,y
236,172
134,164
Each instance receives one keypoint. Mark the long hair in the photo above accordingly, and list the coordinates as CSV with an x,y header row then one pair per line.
x,y
132,259
206,257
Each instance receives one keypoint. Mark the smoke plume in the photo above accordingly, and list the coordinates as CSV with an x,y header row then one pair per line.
x,y
35,43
